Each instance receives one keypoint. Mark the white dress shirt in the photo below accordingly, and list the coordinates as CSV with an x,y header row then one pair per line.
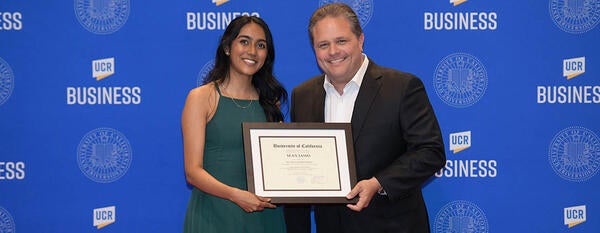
x,y
338,108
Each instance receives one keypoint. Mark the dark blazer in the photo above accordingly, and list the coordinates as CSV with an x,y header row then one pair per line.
x,y
397,139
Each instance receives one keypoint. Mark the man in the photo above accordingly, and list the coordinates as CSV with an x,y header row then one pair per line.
x,y
397,139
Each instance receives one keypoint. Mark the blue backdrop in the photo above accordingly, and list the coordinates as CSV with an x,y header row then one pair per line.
x,y
91,94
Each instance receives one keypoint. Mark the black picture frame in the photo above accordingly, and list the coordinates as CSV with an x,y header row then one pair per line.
x,y
284,172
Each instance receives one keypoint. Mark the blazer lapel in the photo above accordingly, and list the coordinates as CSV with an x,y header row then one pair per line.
x,y
318,110
369,89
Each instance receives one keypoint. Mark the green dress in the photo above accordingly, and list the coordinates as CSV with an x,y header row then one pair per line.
x,y
224,159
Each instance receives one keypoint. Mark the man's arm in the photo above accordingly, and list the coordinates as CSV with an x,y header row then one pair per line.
x,y
424,153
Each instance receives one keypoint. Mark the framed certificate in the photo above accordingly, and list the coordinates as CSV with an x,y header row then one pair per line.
x,y
300,162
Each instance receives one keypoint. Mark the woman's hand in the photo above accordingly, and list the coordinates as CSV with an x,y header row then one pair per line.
x,y
250,202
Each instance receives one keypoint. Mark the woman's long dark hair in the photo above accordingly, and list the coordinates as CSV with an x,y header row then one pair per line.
x,y
272,95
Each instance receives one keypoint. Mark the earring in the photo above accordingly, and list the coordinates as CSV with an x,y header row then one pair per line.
x,y
227,52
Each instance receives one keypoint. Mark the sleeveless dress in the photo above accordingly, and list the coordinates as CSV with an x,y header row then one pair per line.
x,y
224,159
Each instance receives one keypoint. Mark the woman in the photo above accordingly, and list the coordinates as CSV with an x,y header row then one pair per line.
x,y
240,88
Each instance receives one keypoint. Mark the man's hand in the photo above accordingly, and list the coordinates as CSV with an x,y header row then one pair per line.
x,y
365,189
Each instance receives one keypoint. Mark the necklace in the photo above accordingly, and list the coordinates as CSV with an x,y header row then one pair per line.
x,y
233,100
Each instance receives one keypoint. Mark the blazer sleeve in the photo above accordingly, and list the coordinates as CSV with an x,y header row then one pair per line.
x,y
424,148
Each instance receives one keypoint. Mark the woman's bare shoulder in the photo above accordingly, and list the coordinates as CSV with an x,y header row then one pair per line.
x,y
205,90
202,100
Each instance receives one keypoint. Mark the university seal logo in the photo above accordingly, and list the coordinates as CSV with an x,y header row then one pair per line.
x,y
461,216
362,8
575,16
460,80
204,72
7,81
104,155
574,154
102,16
7,224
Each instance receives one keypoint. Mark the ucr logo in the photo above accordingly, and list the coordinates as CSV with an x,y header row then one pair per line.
x,y
574,215
103,68
460,141
573,67
104,216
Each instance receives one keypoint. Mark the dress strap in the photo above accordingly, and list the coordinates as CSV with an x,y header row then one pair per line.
x,y
217,86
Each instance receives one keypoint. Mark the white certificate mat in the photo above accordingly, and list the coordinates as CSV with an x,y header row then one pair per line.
x,y
300,162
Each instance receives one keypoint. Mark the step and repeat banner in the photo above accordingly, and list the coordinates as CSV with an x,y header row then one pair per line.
x,y
91,93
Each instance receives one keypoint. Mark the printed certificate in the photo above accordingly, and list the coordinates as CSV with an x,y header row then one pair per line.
x,y
300,162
